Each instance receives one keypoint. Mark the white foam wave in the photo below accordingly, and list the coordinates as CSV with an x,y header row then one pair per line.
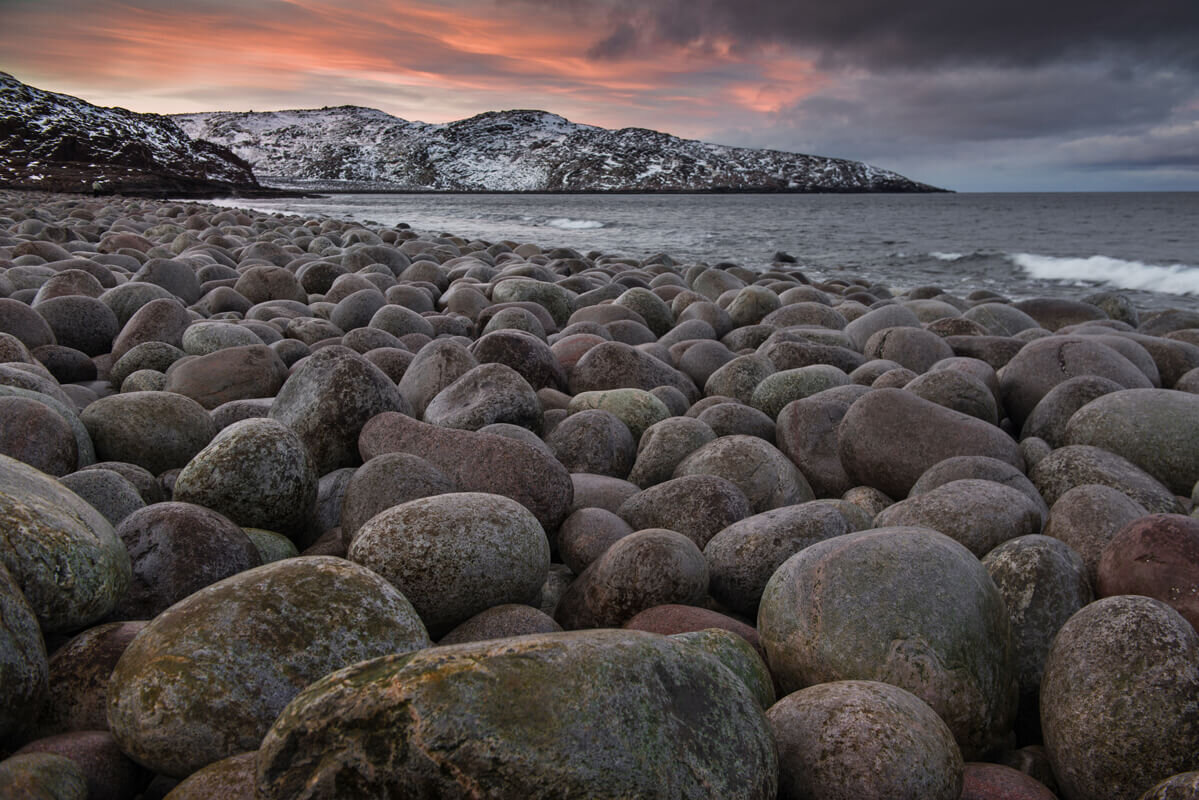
x,y
566,223
947,256
1171,279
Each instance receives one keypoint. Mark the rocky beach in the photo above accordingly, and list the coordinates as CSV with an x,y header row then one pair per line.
x,y
311,508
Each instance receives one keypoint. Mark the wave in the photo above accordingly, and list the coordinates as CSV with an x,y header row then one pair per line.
x,y
948,256
1171,279
566,223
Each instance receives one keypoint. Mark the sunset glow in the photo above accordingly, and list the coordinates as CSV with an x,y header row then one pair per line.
x,y
792,76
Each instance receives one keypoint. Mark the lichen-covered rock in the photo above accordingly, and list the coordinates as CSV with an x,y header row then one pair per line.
x,y
858,607
478,462
1120,698
110,774
978,468
581,714
586,534
231,778
595,442
62,553
1078,464
1156,429
454,555
156,430
436,366
664,445
1043,583
616,365
501,622
206,678
983,781
24,670
863,740
636,408
235,373
1183,786
1047,362
107,491
329,398
42,776
807,432
644,569
1087,518
734,651
258,473
1049,417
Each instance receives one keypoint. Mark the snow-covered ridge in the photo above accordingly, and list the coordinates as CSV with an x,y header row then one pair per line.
x,y
354,147
58,142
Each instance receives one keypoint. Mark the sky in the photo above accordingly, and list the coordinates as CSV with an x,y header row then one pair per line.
x,y
971,95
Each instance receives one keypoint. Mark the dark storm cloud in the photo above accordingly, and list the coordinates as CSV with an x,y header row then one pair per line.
x,y
911,34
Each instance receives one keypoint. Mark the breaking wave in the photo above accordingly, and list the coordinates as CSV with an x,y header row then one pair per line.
x,y
568,224
1173,278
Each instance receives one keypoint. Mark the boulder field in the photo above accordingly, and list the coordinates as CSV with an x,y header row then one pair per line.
x,y
308,508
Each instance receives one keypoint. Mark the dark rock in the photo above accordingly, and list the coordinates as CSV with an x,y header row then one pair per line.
x,y
889,438
154,430
697,506
643,569
1156,556
455,555
979,514
742,557
478,462
767,477
502,622
483,395
1075,465
327,401
387,480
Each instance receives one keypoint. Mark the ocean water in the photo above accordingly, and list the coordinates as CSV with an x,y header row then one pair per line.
x,y
1021,245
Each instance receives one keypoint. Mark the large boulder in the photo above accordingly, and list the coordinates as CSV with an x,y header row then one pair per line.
x,y
455,555
1156,429
478,462
697,506
177,549
24,670
206,678
852,740
979,514
807,432
155,430
235,373
257,473
1156,556
387,480
742,557
767,477
1044,363
62,553
484,395
1076,465
858,607
1120,699
889,438
579,714
615,365
643,569
328,399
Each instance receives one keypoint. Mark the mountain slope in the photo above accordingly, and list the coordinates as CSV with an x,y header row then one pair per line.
x,y
60,143
353,147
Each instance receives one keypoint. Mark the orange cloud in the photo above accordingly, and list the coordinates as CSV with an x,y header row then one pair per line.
x,y
414,58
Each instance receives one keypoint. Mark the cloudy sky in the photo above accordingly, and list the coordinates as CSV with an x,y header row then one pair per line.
x,y
988,95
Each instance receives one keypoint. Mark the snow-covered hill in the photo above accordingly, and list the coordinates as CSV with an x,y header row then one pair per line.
x,y
60,143
352,147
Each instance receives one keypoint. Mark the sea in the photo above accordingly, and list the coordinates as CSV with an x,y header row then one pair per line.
x,y
1020,245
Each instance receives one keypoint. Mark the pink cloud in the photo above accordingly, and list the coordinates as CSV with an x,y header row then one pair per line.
x,y
421,60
